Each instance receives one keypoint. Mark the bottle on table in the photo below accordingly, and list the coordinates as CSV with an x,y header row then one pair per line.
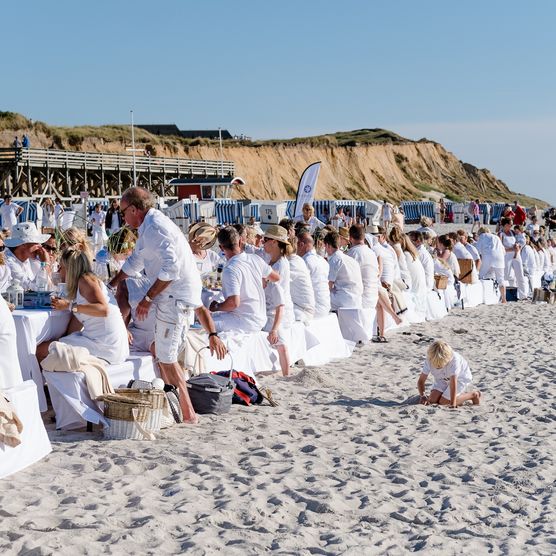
x,y
42,281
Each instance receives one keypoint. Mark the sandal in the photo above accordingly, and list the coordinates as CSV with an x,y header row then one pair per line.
x,y
379,340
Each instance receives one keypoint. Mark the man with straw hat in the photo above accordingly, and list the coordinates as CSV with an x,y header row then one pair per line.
x,y
24,246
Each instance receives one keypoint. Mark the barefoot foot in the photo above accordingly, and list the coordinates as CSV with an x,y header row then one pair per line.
x,y
476,399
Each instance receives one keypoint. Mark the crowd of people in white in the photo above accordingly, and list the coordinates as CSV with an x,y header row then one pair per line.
x,y
299,270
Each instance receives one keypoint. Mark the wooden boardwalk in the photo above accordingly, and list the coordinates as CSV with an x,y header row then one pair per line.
x,y
42,172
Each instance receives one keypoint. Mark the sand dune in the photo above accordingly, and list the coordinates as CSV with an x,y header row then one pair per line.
x,y
347,464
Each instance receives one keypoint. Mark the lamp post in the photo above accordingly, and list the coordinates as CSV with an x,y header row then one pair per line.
x,y
221,153
133,149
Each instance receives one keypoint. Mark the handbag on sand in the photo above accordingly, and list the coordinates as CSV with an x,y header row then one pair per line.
x,y
246,391
211,393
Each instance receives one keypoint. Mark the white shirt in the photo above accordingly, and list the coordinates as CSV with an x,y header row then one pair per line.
x,y
313,223
490,247
417,272
388,260
473,251
368,264
301,287
460,251
9,215
208,263
428,265
318,270
457,367
21,271
5,277
164,254
278,293
529,260
243,276
347,291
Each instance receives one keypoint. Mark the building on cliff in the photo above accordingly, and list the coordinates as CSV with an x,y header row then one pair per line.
x,y
172,129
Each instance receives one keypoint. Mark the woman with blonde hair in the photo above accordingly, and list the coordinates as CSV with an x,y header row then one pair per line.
x,y
75,237
96,322
395,237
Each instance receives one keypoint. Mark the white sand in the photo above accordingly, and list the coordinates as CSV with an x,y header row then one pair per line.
x,y
343,466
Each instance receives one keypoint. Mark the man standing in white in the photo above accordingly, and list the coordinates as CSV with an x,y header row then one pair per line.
x,y
424,256
163,253
9,213
493,254
244,307
368,263
318,270
344,276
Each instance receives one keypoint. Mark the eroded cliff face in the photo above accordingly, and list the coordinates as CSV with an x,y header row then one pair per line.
x,y
394,172
387,171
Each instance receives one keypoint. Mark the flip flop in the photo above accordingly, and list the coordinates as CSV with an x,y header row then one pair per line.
x,y
379,340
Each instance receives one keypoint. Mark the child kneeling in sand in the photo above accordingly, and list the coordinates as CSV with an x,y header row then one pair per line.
x,y
451,374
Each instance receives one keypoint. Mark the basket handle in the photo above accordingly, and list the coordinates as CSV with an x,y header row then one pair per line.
x,y
198,355
147,435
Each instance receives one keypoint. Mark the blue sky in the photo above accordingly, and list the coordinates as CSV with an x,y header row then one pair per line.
x,y
477,76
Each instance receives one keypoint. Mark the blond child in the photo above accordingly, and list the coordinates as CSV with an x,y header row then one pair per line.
x,y
451,374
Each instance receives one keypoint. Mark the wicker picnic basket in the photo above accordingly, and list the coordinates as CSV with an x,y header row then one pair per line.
x,y
440,282
156,400
466,270
127,417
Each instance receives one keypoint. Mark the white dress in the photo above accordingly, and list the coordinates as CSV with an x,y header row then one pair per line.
x,y
104,337
48,220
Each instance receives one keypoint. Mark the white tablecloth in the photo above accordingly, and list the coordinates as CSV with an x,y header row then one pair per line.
x,y
33,327
34,440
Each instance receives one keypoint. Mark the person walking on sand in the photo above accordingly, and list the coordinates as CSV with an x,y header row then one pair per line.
x,y
474,211
163,253
386,214
452,377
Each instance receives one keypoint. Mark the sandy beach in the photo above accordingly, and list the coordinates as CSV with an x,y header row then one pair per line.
x,y
347,464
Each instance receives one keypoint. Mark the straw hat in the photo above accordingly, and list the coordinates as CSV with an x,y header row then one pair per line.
x,y
278,233
372,229
203,234
25,232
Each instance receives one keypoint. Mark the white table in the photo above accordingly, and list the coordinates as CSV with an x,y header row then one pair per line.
x,y
34,440
34,326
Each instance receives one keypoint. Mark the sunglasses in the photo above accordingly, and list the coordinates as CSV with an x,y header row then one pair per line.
x,y
50,249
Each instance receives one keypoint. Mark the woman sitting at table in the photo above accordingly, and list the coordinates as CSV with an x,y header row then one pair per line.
x,y
202,237
96,323
75,236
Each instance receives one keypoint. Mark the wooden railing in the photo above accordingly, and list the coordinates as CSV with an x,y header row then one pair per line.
x,y
48,158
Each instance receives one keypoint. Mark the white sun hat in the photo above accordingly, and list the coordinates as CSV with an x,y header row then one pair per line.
x,y
25,232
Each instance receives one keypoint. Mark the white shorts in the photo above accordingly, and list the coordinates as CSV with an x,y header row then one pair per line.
x,y
172,323
444,387
490,272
